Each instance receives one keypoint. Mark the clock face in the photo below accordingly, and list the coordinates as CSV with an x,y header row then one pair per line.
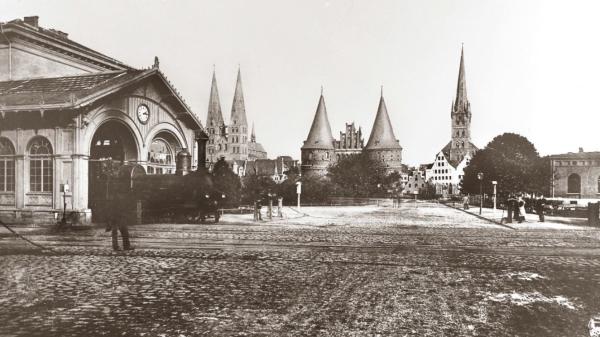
x,y
143,113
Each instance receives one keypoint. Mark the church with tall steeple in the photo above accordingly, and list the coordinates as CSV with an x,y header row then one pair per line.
x,y
447,170
320,150
230,141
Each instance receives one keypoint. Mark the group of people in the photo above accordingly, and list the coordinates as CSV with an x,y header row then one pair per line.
x,y
516,207
258,207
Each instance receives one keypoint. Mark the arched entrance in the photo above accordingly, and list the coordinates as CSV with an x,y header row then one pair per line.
x,y
113,144
161,153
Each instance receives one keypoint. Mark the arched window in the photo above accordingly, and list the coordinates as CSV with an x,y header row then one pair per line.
x,y
574,183
160,157
7,166
40,165
598,184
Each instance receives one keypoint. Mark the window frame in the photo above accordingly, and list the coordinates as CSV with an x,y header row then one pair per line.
x,y
41,166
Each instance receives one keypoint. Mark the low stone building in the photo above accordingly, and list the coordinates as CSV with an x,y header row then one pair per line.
x,y
65,108
576,175
276,169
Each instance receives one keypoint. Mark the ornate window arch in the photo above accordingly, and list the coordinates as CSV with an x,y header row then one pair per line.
x,y
7,166
574,183
161,157
41,171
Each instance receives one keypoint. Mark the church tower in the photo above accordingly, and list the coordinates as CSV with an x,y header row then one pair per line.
x,y
382,144
238,125
460,114
318,150
215,126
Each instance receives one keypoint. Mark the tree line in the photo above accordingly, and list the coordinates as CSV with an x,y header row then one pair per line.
x,y
509,159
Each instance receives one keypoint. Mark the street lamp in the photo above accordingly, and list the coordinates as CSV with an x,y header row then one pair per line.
x,y
494,183
480,177
298,191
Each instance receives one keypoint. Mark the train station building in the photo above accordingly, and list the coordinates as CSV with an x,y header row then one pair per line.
x,y
65,107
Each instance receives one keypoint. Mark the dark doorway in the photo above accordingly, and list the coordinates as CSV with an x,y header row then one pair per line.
x,y
112,146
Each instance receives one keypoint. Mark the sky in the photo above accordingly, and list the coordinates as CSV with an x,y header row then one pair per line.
x,y
532,67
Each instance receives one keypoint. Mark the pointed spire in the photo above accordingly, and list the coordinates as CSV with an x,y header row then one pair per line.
x,y
319,136
461,87
238,108
382,135
253,135
214,104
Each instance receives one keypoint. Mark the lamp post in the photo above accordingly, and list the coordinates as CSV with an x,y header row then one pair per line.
x,y
298,191
480,177
65,190
494,183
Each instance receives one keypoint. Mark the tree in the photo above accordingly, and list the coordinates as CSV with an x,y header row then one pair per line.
x,y
512,161
256,187
227,182
287,188
359,176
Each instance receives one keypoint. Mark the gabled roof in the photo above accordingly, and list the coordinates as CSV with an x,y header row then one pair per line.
x,y
258,147
319,136
56,40
446,152
269,167
73,92
382,135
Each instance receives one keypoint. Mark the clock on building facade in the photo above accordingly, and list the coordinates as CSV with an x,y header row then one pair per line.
x,y
143,113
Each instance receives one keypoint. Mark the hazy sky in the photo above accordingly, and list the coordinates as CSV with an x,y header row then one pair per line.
x,y
532,67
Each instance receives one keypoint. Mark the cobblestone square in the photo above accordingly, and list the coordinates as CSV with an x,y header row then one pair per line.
x,y
420,270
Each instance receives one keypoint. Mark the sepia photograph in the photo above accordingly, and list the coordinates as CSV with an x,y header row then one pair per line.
x,y
181,168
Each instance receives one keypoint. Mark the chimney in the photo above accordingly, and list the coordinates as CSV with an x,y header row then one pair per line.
x,y
31,20
580,150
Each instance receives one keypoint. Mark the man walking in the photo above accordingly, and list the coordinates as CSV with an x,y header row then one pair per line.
x,y
540,205
117,220
511,208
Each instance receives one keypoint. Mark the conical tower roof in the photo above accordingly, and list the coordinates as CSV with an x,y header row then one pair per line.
x,y
214,104
461,87
238,108
320,136
382,134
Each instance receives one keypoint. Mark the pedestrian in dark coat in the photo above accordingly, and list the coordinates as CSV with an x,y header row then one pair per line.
x,y
511,207
521,208
466,202
258,208
540,205
118,220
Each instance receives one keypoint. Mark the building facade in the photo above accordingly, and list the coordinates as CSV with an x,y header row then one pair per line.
x,y
576,175
350,143
276,169
65,108
320,150
230,141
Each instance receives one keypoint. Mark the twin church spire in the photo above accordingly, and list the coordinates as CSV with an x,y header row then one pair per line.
x,y
229,141
238,107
